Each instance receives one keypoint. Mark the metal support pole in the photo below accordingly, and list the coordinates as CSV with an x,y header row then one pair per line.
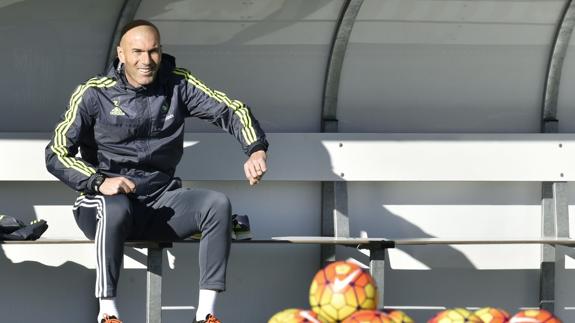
x,y
154,285
561,209
337,54
377,271
555,215
555,223
334,219
340,212
547,274
327,251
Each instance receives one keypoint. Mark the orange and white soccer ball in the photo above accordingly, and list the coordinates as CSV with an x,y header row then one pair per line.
x,y
492,315
455,315
294,315
368,316
340,289
398,316
534,316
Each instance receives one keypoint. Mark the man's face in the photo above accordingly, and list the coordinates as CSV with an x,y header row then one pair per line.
x,y
141,53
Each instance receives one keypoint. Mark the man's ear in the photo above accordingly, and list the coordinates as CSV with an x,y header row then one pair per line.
x,y
120,53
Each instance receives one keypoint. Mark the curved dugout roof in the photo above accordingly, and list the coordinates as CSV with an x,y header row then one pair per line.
x,y
448,66
411,65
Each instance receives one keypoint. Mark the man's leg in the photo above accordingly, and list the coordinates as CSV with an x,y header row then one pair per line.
x,y
108,221
182,212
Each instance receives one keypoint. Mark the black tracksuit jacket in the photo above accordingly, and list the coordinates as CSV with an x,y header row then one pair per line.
x,y
138,132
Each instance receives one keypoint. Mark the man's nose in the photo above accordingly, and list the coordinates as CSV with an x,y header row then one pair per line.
x,y
146,58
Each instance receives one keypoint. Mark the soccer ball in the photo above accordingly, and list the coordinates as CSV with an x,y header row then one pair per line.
x,y
366,316
534,316
340,289
294,315
398,316
492,315
455,315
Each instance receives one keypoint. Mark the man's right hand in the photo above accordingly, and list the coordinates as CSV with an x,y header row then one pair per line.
x,y
117,185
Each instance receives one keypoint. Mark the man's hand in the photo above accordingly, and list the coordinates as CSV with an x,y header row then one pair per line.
x,y
255,167
117,185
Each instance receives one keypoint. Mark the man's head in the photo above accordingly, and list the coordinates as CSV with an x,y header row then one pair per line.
x,y
140,52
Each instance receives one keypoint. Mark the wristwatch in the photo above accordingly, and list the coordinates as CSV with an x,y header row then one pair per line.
x,y
97,180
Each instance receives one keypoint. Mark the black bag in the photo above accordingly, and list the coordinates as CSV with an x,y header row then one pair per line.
x,y
14,229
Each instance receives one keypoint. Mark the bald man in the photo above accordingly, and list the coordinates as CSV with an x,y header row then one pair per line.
x,y
128,126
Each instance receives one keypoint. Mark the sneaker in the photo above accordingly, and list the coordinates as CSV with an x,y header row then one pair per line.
x,y
110,319
209,319
241,227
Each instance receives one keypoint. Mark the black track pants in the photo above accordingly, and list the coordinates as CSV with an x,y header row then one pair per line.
x,y
175,215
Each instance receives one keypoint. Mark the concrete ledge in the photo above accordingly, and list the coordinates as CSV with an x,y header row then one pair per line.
x,y
346,157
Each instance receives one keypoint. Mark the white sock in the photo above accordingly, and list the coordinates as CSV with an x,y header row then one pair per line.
x,y
108,306
206,303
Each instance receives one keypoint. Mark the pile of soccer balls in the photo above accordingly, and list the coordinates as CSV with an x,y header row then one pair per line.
x,y
343,292
493,315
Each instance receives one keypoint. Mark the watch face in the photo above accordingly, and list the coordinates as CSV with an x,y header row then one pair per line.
x,y
98,181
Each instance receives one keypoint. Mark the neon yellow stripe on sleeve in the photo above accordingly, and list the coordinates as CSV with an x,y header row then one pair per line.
x,y
238,107
59,145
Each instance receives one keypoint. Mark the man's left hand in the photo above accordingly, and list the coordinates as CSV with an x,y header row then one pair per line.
x,y
255,167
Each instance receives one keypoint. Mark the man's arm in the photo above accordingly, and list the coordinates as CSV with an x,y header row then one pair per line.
x,y
61,159
231,115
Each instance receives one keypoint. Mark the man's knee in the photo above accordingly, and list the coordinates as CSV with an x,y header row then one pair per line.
x,y
218,208
118,211
220,203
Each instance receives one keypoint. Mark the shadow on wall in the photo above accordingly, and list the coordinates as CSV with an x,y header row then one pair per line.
x,y
434,257
31,290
